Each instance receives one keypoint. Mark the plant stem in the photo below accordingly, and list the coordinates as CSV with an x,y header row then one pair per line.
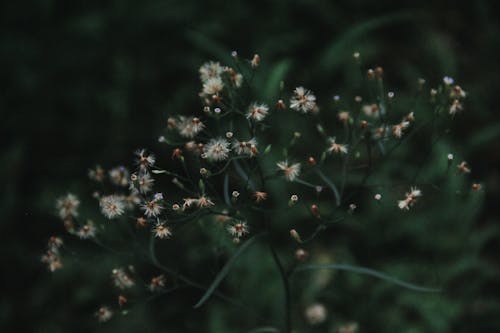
x,y
286,286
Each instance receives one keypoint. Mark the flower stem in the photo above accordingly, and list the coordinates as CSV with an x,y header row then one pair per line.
x,y
286,286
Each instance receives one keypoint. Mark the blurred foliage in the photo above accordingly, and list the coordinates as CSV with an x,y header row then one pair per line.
x,y
89,82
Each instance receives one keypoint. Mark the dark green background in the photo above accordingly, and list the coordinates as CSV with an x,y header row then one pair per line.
x,y
88,82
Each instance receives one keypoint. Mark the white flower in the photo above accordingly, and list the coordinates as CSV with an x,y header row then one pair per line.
x,y
257,112
144,160
316,314
161,231
112,206
152,208
371,110
189,127
397,130
448,80
142,183
119,176
210,70
455,107
217,149
157,283
410,198
245,147
213,86
238,229
290,171
456,92
87,231
104,314
68,206
303,100
336,147
121,279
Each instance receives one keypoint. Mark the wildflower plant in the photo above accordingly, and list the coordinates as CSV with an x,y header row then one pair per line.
x,y
240,166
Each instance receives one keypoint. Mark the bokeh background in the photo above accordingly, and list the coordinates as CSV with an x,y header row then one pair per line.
x,y
86,82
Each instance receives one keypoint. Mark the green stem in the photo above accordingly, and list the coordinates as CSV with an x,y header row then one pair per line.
x,y
286,286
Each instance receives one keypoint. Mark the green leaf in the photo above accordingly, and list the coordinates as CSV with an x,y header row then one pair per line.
x,y
225,270
336,53
275,77
371,272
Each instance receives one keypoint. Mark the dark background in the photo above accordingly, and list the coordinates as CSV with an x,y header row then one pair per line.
x,y
90,82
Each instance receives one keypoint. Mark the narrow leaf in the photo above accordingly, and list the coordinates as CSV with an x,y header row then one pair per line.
x,y
371,272
225,270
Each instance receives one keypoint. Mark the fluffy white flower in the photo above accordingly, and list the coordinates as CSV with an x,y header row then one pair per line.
x,y
303,100
210,70
217,149
213,86
112,206
290,171
257,112
245,147
189,127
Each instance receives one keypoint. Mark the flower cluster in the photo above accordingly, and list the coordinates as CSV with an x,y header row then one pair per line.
x,y
222,159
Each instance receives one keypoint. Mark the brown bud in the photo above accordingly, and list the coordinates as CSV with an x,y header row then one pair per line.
x,y
176,153
370,74
311,161
379,71
315,210
301,255
122,300
141,222
280,105
363,124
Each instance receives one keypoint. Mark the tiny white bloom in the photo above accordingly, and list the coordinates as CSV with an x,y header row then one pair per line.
x,y
257,112
217,149
290,171
303,100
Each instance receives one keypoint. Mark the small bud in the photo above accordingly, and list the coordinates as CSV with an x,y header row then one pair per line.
x,y
476,187
311,161
336,98
175,207
234,54
293,199
370,74
352,208
450,157
358,99
162,139
363,124
390,94
203,172
217,110
378,197
229,135
315,211
295,235
379,71
206,109
356,55
235,194
177,153
301,255
255,60
141,222
280,105
122,300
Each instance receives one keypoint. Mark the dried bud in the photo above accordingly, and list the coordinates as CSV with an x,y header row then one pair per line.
x,y
476,187
295,235
255,60
177,153
122,300
370,74
315,210
311,161
379,71
363,124
301,255
280,105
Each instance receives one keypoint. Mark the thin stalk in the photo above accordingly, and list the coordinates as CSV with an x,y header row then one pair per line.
x,y
286,286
